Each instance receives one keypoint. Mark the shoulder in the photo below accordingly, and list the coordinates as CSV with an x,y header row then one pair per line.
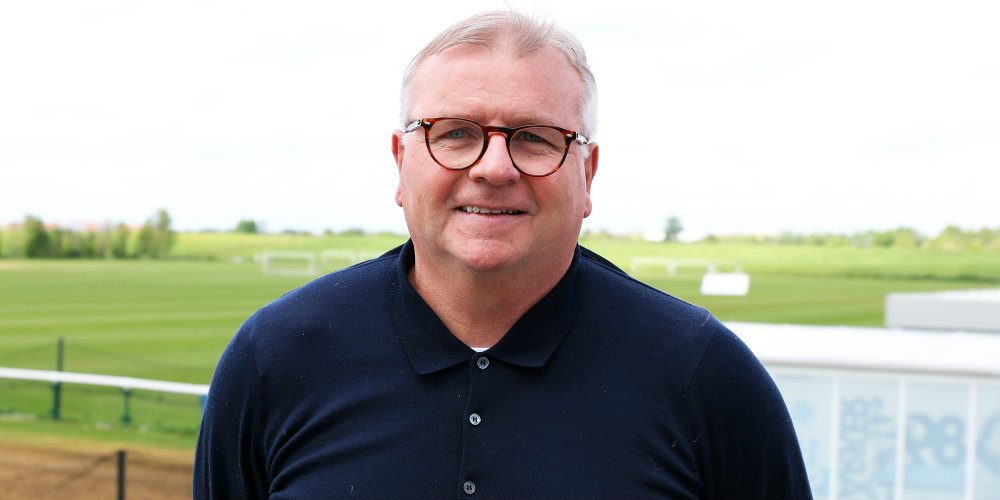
x,y
760,457
344,301
721,382
359,279
332,292
646,308
698,353
686,334
650,323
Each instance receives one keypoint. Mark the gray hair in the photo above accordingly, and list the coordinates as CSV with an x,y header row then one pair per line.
x,y
526,35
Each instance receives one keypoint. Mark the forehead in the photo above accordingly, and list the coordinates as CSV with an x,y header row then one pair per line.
x,y
496,86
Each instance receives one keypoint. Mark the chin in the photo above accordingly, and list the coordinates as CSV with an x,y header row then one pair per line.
x,y
489,255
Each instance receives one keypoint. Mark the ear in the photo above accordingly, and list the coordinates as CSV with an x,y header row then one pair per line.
x,y
589,169
397,152
398,138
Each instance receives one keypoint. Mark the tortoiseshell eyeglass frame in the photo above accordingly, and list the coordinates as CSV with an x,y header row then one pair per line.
x,y
571,136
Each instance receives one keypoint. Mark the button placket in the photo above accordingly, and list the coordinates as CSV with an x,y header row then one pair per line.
x,y
482,363
474,437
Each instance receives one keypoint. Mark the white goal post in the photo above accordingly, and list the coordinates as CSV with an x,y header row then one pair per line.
x,y
288,263
350,257
733,283
671,265
305,262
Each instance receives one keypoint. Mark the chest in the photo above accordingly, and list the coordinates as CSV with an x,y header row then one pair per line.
x,y
483,429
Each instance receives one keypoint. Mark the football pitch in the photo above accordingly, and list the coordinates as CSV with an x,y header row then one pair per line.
x,y
171,319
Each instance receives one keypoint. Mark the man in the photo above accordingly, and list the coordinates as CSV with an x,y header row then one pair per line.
x,y
491,356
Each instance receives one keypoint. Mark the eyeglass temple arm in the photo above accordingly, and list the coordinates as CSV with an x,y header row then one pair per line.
x,y
413,126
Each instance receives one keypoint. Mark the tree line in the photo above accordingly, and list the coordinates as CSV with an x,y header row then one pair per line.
x,y
950,238
111,241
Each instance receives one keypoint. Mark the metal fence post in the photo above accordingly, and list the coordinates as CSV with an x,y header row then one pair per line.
x,y
121,474
57,386
127,415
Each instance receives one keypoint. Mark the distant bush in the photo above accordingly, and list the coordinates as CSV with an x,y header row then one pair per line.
x,y
33,239
248,226
156,237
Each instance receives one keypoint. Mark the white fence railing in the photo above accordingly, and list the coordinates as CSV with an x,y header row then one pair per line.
x,y
125,383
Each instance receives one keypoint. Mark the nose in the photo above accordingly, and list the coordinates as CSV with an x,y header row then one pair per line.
x,y
495,167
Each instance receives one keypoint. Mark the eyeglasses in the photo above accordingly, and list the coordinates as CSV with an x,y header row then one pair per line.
x,y
458,143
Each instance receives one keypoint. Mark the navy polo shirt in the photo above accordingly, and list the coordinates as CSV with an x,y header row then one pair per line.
x,y
351,386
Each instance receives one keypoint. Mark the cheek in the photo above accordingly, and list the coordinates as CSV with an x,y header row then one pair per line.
x,y
421,188
576,195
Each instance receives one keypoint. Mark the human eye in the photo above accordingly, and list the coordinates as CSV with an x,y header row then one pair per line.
x,y
530,137
455,134
538,140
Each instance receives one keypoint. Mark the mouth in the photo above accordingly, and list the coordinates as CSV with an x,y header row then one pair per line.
x,y
488,211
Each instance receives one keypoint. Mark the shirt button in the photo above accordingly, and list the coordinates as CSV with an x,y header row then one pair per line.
x,y
469,487
474,419
483,362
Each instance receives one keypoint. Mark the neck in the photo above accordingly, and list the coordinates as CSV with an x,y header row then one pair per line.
x,y
479,307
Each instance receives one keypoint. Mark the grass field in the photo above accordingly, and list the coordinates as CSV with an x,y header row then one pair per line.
x,y
171,319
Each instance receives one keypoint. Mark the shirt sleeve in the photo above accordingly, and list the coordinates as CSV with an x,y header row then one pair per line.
x,y
749,447
229,459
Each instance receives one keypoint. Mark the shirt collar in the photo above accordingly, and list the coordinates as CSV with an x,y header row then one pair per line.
x,y
431,347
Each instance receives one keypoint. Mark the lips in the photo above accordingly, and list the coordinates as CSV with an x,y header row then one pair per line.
x,y
489,211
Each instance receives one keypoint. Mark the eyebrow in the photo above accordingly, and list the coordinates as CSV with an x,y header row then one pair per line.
x,y
516,121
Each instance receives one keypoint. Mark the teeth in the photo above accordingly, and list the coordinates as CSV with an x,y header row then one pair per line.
x,y
477,210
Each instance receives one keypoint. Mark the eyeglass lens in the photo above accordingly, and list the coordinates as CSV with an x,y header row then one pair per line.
x,y
457,144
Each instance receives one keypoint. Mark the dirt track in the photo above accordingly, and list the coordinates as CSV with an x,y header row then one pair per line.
x,y
73,472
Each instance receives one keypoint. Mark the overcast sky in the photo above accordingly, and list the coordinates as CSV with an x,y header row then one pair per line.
x,y
733,116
